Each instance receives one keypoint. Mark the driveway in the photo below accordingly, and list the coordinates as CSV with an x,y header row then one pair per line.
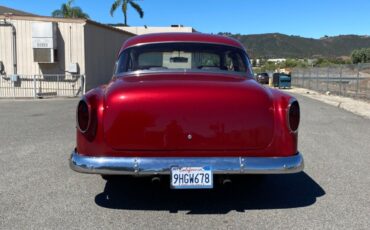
x,y
39,191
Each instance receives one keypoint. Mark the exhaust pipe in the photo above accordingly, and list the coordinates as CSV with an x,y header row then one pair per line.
x,y
226,182
156,180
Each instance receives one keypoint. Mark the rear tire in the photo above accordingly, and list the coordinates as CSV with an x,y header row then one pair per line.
x,y
109,177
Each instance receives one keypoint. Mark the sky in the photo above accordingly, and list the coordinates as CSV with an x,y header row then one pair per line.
x,y
306,18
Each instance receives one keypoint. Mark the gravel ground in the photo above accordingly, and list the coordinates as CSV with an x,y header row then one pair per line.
x,y
39,191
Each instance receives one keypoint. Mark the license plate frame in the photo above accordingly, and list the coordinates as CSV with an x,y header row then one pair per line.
x,y
191,177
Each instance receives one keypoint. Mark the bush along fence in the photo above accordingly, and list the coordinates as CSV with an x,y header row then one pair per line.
x,y
40,86
344,80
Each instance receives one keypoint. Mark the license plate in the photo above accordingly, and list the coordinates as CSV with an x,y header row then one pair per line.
x,y
191,177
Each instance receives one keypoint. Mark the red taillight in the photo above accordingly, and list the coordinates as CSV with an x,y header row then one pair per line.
x,y
83,116
293,116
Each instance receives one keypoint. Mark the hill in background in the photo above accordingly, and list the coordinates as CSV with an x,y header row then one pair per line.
x,y
284,46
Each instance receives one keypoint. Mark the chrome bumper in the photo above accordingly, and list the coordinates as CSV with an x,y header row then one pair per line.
x,y
163,165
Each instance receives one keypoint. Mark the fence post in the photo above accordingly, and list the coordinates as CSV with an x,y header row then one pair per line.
x,y
317,79
13,84
340,81
303,76
367,94
296,77
327,79
34,87
358,79
57,84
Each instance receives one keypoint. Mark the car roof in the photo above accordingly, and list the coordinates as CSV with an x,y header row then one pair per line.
x,y
180,37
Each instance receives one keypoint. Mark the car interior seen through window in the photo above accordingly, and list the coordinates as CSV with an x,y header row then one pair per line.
x,y
183,56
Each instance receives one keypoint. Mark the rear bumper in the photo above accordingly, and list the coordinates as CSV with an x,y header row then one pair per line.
x,y
163,165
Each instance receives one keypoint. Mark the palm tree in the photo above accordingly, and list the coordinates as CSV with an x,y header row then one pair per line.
x,y
123,4
68,11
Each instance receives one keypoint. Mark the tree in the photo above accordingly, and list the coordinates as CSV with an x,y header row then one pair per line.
x,y
360,56
254,62
322,62
68,11
123,4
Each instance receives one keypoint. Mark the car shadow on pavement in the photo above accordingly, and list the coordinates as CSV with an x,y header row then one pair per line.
x,y
245,193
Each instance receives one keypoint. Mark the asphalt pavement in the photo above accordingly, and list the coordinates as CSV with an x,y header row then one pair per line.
x,y
39,191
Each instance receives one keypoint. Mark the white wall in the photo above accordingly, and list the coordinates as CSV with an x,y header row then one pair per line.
x,y
70,47
101,48
91,45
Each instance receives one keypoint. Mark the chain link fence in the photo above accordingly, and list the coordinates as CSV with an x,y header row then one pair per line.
x,y
40,86
344,80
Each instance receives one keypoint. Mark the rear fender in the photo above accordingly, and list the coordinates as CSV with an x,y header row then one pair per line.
x,y
285,140
87,144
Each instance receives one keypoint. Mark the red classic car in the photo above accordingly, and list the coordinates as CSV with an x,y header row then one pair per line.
x,y
185,105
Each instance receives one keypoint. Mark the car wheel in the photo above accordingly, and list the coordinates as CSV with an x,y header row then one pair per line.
x,y
110,177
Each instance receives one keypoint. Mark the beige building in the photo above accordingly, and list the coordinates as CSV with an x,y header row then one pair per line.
x,y
36,50
138,30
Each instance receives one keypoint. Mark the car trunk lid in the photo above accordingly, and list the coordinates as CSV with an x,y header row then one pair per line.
x,y
187,112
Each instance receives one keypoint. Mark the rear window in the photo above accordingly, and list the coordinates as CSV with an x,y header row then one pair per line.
x,y
183,57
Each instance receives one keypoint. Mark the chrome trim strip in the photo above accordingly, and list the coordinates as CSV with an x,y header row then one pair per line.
x,y
138,73
163,165
179,41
